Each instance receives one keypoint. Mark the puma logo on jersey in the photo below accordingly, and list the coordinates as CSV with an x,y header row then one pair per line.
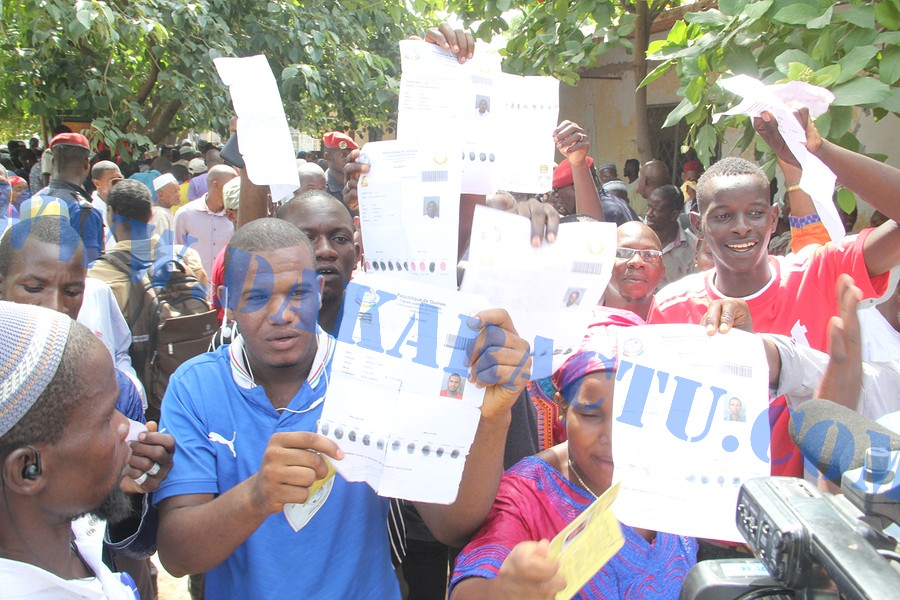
x,y
217,438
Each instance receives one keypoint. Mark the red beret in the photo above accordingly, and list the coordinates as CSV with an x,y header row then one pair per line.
x,y
562,175
70,139
336,139
692,165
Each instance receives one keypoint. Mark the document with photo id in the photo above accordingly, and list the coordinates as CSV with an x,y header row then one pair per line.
x,y
691,424
399,404
550,291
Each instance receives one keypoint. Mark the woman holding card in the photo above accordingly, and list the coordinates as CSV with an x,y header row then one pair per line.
x,y
542,494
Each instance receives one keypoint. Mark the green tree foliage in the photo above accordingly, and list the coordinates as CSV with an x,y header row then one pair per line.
x,y
561,37
143,69
851,48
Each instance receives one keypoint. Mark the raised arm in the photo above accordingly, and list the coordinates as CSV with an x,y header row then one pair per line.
x,y
572,142
877,183
501,362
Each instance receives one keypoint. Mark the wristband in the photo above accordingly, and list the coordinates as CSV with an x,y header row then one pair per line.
x,y
801,222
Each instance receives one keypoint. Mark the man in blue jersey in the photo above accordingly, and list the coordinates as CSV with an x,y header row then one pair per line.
x,y
244,420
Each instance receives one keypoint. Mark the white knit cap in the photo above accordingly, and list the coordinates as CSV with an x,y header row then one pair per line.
x,y
162,180
32,341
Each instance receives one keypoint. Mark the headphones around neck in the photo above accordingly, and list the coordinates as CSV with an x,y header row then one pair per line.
x,y
34,470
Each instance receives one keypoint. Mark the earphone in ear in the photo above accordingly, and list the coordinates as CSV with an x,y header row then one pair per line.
x,y
34,470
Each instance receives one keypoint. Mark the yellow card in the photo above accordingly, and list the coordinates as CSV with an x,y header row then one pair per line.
x,y
587,543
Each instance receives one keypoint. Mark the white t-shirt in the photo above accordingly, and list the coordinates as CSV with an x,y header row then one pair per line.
x,y
100,313
880,341
22,580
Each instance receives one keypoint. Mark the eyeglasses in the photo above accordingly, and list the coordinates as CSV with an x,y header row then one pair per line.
x,y
646,255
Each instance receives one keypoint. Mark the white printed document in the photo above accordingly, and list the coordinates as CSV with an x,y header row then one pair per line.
x,y
409,211
266,143
399,403
691,425
500,125
817,180
551,291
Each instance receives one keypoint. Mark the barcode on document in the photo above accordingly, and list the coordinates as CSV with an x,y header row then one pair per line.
x,y
434,176
458,343
592,268
736,370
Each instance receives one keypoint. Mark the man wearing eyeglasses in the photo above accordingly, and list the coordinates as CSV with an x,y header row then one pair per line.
x,y
663,209
638,269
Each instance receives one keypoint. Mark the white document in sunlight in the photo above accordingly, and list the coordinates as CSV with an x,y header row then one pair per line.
x,y
691,425
265,139
409,211
549,291
500,125
399,404
817,179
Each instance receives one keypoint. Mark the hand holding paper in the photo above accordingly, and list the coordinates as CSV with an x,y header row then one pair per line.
x,y
778,100
587,543
292,463
528,572
501,360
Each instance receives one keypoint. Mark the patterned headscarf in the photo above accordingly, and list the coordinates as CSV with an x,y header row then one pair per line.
x,y
32,341
598,350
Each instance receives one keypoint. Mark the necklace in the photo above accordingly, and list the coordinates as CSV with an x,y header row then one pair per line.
x,y
580,480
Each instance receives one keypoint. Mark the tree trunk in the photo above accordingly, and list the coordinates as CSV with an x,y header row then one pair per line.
x,y
160,126
642,26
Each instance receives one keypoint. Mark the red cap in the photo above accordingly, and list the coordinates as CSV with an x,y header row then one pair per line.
x,y
70,139
336,139
15,180
692,165
562,175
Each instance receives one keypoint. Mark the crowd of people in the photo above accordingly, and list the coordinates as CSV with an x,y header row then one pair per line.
x,y
92,247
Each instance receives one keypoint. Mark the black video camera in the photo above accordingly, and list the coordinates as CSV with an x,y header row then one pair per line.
x,y
809,544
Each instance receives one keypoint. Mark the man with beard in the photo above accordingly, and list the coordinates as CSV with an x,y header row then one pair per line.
x,y
63,453
41,264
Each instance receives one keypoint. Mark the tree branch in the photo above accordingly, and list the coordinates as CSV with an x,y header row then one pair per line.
x,y
148,84
159,129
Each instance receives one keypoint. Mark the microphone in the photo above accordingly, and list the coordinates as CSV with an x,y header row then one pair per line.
x,y
836,438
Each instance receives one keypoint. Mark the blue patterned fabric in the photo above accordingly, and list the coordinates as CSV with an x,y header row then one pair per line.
x,y
535,501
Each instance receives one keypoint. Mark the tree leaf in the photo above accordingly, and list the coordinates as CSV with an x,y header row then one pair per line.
x,y
887,14
861,15
740,61
695,89
705,143
655,74
846,200
707,17
841,119
823,21
827,76
864,91
84,17
732,8
855,61
797,14
684,108
678,33
889,67
756,10
783,61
